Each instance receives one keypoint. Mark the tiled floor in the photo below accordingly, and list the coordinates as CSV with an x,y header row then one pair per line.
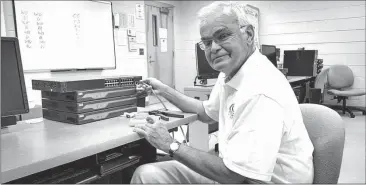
x,y
353,164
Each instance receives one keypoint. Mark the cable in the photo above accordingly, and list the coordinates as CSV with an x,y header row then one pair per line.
x,y
152,90
181,129
195,81
184,135
159,99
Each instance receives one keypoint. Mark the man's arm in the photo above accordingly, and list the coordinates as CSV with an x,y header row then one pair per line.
x,y
208,165
185,103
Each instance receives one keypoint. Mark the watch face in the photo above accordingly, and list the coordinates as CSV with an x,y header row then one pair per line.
x,y
174,146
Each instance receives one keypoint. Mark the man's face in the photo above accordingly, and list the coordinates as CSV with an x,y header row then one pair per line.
x,y
232,51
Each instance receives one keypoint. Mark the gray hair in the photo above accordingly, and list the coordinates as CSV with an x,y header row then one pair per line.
x,y
225,8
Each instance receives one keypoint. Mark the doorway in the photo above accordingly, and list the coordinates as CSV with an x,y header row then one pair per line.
x,y
160,41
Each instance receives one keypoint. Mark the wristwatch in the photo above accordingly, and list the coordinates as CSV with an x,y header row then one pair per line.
x,y
173,147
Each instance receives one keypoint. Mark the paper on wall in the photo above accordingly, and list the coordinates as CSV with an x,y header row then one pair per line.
x,y
139,11
131,20
140,38
163,33
116,20
163,45
132,44
123,20
131,32
122,37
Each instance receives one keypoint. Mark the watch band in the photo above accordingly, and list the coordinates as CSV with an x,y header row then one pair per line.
x,y
171,152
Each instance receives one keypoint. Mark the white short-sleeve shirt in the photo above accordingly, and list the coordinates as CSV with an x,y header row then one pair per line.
x,y
261,131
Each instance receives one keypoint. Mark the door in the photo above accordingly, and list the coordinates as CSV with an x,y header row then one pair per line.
x,y
160,56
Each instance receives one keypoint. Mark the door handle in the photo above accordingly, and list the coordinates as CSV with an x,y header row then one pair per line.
x,y
151,61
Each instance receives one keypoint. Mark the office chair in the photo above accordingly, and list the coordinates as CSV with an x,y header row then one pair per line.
x,y
327,133
337,80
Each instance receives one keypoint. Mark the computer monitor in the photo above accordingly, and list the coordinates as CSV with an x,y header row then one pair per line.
x,y
204,70
13,92
300,62
270,52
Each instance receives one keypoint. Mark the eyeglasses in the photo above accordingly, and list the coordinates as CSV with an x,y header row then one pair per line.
x,y
218,39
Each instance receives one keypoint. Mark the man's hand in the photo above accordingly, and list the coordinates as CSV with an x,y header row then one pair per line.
x,y
150,83
156,133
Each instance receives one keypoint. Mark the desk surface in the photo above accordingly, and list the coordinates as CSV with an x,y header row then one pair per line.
x,y
30,148
298,78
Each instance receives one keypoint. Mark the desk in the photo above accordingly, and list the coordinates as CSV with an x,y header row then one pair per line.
x,y
296,79
302,81
30,148
199,132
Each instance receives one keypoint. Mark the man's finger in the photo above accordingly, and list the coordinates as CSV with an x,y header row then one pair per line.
x,y
149,125
146,81
140,132
141,126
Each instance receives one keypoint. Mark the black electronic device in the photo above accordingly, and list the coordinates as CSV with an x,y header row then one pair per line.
x,y
204,70
300,62
82,107
89,95
270,52
14,99
88,117
76,83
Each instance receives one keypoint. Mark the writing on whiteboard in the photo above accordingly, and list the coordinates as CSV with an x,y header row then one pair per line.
x,y
76,18
40,32
27,31
26,18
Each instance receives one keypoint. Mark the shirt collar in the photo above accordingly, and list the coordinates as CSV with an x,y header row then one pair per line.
x,y
236,80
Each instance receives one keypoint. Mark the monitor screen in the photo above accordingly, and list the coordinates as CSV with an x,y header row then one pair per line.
x,y
13,93
299,62
270,52
204,70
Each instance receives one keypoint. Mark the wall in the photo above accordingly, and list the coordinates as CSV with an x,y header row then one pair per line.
x,y
127,63
335,28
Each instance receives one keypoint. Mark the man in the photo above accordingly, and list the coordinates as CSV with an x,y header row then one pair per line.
x,y
262,137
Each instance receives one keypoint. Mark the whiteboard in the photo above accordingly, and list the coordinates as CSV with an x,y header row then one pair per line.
x,y
62,35
3,31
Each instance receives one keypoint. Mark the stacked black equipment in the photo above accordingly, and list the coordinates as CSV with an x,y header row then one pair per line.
x,y
80,100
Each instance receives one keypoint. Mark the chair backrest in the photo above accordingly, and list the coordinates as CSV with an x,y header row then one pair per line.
x,y
327,133
340,76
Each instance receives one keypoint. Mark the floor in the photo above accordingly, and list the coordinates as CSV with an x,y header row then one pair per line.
x,y
353,164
